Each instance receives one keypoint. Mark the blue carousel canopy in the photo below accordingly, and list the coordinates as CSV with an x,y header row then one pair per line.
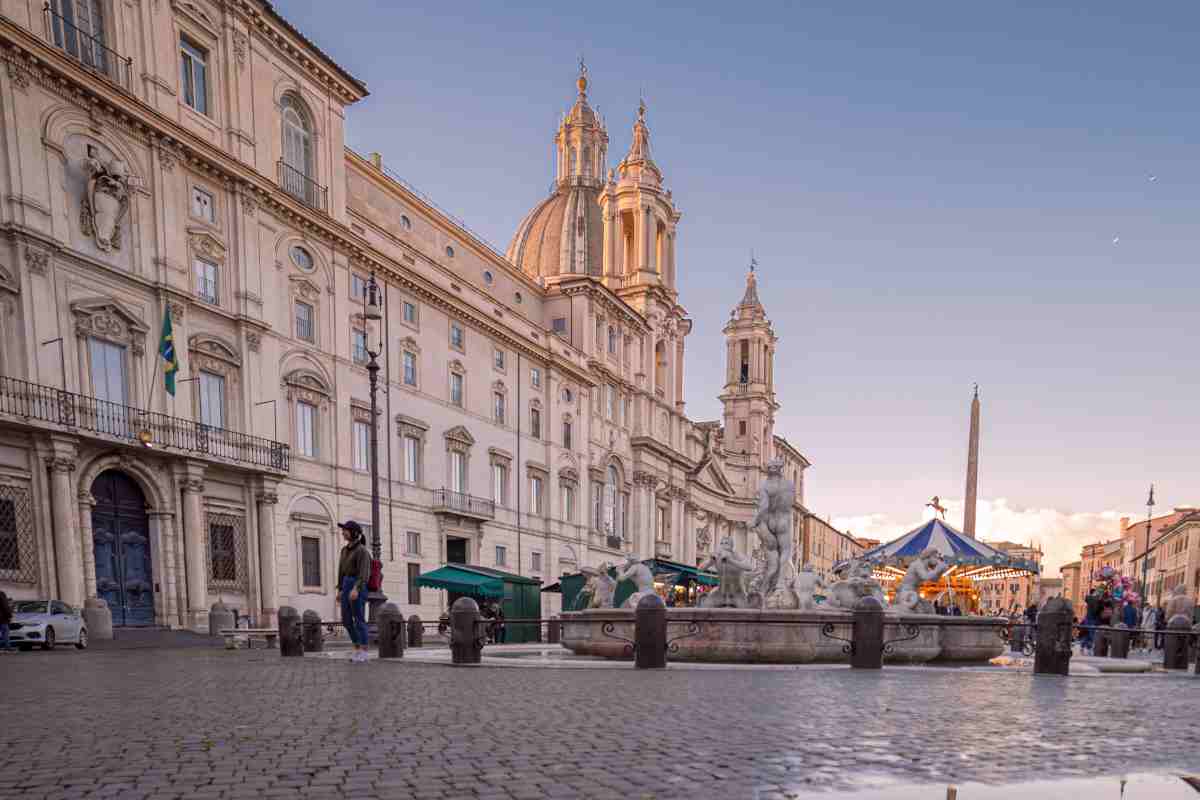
x,y
953,545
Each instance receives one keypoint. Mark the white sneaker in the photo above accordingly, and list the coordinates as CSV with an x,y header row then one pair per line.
x,y
361,656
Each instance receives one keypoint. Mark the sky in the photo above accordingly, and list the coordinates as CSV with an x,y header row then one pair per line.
x,y
938,194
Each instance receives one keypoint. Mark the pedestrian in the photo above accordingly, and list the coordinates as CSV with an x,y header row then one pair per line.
x,y
1091,619
354,570
6,615
1031,614
489,614
955,611
1160,625
1129,615
501,631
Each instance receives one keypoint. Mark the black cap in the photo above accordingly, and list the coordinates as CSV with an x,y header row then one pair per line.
x,y
352,526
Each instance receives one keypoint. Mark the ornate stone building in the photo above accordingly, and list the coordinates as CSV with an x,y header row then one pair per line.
x,y
189,156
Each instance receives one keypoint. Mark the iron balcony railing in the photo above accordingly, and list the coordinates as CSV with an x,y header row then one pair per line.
x,y
465,504
32,401
89,50
302,187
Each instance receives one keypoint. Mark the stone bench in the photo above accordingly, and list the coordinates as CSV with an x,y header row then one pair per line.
x,y
249,635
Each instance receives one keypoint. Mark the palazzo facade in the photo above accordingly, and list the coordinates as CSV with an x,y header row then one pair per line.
x,y
189,155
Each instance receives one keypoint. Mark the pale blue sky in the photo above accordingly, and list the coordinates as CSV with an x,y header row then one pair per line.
x,y
932,190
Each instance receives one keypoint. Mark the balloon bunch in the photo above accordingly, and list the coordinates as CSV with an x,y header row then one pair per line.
x,y
1115,585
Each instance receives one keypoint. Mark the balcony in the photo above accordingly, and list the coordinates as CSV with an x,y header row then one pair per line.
x,y
302,187
88,51
446,501
662,549
54,409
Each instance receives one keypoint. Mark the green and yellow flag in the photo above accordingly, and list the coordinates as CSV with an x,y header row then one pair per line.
x,y
166,349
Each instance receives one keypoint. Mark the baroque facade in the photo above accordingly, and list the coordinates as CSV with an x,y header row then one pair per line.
x,y
190,156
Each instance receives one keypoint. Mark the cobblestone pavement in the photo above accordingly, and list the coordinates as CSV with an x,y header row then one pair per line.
x,y
247,724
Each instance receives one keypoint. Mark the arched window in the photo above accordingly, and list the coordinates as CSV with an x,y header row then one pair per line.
x,y
572,162
660,366
297,137
610,503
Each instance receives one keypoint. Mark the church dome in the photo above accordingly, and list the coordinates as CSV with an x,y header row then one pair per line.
x,y
562,234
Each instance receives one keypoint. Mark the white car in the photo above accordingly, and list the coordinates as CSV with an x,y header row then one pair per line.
x,y
45,623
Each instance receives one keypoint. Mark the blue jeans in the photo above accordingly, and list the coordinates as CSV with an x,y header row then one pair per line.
x,y
354,612
4,645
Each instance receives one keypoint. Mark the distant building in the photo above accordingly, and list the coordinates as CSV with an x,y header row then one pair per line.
x,y
824,546
1015,593
1047,588
1072,588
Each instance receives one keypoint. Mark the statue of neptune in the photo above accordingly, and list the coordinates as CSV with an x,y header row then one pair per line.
x,y
773,521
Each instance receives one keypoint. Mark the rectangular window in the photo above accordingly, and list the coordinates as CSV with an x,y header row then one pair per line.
x,y
567,435
212,399
501,556
362,445
206,281
410,368
194,75
202,205
597,513
535,423
310,560
10,541
612,340
535,494
559,326
660,523
458,472
306,429
625,408
535,377
358,286
742,428
610,401
412,455
409,310
535,561
457,338
360,347
623,522
456,389
305,329
568,503
414,590
413,543
498,359
498,409
222,552
499,484
109,386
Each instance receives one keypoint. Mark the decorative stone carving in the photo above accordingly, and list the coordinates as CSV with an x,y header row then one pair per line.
x,y
167,159
600,588
305,289
360,411
773,523
206,245
107,200
249,204
253,341
268,498
303,384
60,464
704,539
928,567
459,437
732,568
19,76
177,311
1180,604
857,584
108,320
806,586
38,260
240,48
641,577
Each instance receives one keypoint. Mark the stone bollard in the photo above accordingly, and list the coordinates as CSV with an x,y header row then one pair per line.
x,y
391,631
650,633
416,631
554,631
97,618
1019,632
1102,641
220,618
1119,642
466,642
1175,643
867,650
314,642
291,640
1053,654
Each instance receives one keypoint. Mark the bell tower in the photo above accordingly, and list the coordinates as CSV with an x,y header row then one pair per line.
x,y
749,394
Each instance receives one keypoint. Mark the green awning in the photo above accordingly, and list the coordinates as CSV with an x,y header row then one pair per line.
x,y
685,573
463,581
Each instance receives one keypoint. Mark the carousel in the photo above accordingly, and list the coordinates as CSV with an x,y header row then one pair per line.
x,y
971,561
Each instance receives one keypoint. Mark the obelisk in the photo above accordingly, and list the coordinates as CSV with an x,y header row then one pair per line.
x,y
972,468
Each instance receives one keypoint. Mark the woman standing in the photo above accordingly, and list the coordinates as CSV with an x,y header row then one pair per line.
x,y
354,570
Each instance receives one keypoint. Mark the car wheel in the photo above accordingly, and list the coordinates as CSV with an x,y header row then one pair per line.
x,y
49,643
82,643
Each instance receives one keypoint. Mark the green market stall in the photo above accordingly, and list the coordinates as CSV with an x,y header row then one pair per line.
x,y
516,595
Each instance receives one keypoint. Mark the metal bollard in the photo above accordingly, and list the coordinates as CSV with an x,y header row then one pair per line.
x,y
1053,654
466,639
650,633
314,642
866,652
1119,643
1019,632
553,631
291,642
391,631
1175,643
416,631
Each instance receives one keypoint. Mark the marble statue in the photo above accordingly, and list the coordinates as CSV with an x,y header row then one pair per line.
x,y
806,586
857,584
732,568
926,568
641,577
773,523
1180,605
106,201
601,587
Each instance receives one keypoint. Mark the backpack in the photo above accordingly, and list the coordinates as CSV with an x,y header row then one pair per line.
x,y
375,582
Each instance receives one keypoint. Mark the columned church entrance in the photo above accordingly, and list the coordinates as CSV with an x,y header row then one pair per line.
x,y
121,538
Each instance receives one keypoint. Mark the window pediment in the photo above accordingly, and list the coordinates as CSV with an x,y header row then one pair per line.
x,y
499,456
568,475
304,289
110,320
459,435
411,426
306,385
457,366
212,347
197,15
360,410
205,245
409,343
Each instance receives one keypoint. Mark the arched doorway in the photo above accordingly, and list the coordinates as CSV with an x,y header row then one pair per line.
x,y
121,538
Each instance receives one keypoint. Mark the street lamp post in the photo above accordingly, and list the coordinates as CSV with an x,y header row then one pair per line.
x,y
376,598
1146,552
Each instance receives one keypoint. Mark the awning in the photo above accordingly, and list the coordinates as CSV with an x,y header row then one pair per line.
x,y
462,581
554,587
955,547
684,573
